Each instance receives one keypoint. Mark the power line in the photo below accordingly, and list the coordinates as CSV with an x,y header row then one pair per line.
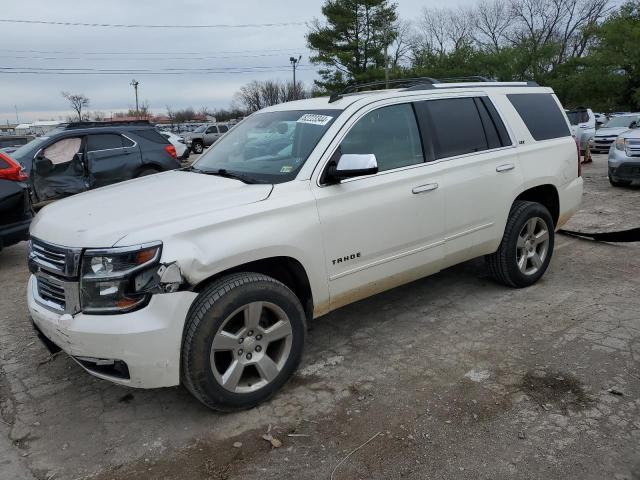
x,y
109,70
105,59
211,71
124,25
150,53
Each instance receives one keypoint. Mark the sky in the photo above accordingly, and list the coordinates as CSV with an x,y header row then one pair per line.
x,y
230,57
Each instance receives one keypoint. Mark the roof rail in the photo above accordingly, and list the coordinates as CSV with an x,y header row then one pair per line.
x,y
424,83
397,82
112,123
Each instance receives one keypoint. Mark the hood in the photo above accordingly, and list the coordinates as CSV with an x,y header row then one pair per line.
x,y
611,132
633,133
99,218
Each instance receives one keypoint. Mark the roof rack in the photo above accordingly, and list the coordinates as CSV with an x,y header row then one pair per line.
x,y
112,123
423,83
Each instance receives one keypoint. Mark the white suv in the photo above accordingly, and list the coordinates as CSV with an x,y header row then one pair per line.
x,y
209,276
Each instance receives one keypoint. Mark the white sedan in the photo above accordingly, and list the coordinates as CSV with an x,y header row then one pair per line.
x,y
181,149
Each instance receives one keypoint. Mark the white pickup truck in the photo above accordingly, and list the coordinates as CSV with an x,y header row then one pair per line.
x,y
208,276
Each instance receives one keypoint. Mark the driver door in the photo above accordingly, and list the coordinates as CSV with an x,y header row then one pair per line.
x,y
211,135
59,169
380,231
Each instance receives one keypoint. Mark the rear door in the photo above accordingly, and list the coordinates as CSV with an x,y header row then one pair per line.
x,y
59,169
480,176
111,158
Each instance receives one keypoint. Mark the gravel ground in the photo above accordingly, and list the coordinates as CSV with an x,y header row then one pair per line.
x,y
451,376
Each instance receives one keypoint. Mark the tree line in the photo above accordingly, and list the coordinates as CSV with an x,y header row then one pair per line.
x,y
587,50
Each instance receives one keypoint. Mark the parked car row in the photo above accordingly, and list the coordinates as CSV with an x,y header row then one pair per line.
x,y
72,159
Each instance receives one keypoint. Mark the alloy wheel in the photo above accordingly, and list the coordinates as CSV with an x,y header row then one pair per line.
x,y
251,347
532,246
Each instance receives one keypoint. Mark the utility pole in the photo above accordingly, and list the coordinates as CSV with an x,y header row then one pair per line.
x,y
135,84
17,119
294,63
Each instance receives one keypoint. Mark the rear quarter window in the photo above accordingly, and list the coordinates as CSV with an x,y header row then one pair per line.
x,y
152,135
541,114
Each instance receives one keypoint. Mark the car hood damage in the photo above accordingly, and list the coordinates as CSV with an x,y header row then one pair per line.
x,y
102,217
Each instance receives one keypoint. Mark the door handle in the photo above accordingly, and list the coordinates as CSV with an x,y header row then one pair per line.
x,y
429,187
505,168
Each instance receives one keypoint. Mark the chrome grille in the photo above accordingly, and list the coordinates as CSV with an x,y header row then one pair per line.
x,y
55,259
52,293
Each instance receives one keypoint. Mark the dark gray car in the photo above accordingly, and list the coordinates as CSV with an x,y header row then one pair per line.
x,y
81,156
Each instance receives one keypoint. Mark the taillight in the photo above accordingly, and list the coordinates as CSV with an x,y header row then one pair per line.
x,y
171,150
13,170
579,162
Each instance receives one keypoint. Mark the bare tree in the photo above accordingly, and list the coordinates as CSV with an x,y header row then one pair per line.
x,y
258,95
401,46
492,21
77,102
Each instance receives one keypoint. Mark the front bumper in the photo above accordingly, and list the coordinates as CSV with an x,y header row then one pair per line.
x,y
623,167
147,341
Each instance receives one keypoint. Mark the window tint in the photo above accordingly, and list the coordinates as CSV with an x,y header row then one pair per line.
x,y
152,135
212,130
3,164
390,133
223,128
455,127
541,115
505,140
127,142
105,141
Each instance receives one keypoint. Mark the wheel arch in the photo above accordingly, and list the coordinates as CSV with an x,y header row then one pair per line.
x,y
285,269
546,195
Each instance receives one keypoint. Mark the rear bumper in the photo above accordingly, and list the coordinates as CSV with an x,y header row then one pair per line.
x,y
570,196
14,233
146,343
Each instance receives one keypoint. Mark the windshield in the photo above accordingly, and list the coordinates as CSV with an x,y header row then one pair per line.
x,y
621,122
268,147
200,129
25,153
578,116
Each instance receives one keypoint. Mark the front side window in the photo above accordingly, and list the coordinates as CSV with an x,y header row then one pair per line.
x,y
268,147
63,151
223,128
390,133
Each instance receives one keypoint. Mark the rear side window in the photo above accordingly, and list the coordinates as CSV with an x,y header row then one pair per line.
x,y
541,114
212,130
152,135
454,126
107,141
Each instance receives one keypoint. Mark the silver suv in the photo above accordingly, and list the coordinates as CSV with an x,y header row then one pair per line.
x,y
204,136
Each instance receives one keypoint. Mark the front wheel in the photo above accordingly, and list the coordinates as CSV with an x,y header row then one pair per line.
x,y
243,339
526,248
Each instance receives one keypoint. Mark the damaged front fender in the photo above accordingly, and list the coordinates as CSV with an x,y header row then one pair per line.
x,y
167,278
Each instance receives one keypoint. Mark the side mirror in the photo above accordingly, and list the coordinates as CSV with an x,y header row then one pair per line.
x,y
351,165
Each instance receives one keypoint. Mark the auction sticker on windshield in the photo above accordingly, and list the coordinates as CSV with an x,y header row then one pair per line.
x,y
314,119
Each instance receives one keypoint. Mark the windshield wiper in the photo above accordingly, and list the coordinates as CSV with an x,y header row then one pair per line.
x,y
222,172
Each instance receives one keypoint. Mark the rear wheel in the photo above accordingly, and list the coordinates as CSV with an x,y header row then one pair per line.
x,y
243,340
147,171
198,147
526,248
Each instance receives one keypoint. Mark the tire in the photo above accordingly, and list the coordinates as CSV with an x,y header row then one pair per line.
x,y
514,263
247,345
144,172
198,147
619,183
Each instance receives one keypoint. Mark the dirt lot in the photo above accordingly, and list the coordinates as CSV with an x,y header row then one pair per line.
x,y
449,377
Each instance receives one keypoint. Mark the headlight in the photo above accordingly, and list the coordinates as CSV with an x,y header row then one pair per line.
x,y
620,143
113,279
